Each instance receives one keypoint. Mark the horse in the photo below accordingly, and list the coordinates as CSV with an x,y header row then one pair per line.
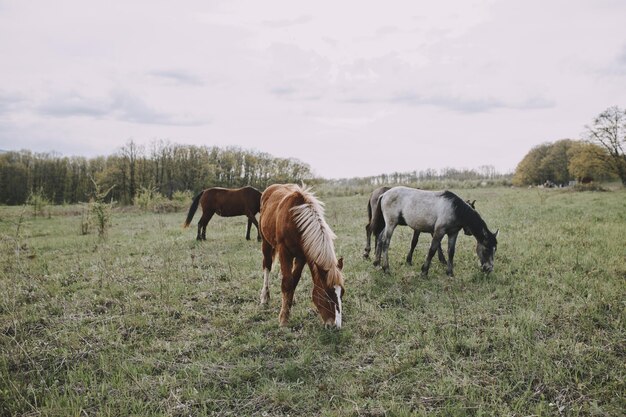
x,y
376,228
226,202
293,226
439,213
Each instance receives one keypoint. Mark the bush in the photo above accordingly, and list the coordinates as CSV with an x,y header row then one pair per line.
x,y
149,199
38,202
592,186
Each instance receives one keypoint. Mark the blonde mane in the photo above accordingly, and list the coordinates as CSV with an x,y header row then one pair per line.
x,y
317,237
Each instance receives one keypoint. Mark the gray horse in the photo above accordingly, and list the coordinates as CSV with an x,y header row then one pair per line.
x,y
375,228
437,212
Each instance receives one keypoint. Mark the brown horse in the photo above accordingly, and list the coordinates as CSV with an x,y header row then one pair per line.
x,y
226,202
293,225
370,228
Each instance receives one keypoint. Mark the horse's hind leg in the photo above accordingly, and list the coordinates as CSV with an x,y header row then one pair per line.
x,y
268,255
409,256
383,244
204,220
378,250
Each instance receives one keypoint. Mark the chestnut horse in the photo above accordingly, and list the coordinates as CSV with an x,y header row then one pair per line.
x,y
226,202
293,226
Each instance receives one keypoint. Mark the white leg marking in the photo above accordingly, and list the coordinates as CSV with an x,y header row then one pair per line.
x,y
265,291
338,308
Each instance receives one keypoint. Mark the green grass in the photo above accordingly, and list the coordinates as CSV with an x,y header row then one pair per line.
x,y
150,322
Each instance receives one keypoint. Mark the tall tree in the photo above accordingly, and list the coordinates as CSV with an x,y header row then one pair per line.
x,y
130,153
589,161
529,171
609,130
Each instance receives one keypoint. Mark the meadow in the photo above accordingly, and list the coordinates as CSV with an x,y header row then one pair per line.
x,y
149,322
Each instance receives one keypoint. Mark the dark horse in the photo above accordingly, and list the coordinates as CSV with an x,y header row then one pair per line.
x,y
437,212
226,202
293,226
371,227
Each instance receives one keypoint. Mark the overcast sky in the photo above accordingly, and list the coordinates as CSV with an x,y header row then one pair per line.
x,y
353,88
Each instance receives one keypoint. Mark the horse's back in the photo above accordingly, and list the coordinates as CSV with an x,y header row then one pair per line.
x,y
276,192
373,201
276,202
420,209
229,202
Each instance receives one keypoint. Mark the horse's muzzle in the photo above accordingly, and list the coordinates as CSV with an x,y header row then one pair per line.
x,y
332,325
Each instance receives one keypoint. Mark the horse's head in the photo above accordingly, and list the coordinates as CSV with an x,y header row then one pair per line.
x,y
486,249
327,297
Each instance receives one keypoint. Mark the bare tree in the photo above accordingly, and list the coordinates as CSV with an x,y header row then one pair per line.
x,y
609,130
130,153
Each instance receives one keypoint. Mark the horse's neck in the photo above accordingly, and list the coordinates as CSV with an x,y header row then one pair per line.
x,y
476,225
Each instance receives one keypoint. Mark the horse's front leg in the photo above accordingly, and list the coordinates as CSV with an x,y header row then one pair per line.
x,y
409,256
436,242
298,266
248,229
451,249
288,286
440,255
256,224
268,255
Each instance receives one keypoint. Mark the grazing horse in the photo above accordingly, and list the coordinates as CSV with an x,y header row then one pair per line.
x,y
293,226
376,225
226,202
439,213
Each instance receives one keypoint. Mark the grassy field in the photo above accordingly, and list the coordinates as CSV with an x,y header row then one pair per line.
x,y
150,322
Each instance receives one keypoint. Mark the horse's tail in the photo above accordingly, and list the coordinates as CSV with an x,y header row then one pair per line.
x,y
192,209
378,221
369,212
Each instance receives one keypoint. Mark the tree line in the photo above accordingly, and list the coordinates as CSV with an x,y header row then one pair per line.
x,y
164,167
563,161
600,157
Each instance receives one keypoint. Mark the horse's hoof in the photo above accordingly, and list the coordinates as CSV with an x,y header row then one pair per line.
x,y
409,262
376,263
264,299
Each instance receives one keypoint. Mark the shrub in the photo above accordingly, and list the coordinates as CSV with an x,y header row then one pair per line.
x,y
38,201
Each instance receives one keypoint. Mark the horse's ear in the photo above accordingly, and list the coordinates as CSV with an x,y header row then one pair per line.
x,y
340,263
496,233
473,204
